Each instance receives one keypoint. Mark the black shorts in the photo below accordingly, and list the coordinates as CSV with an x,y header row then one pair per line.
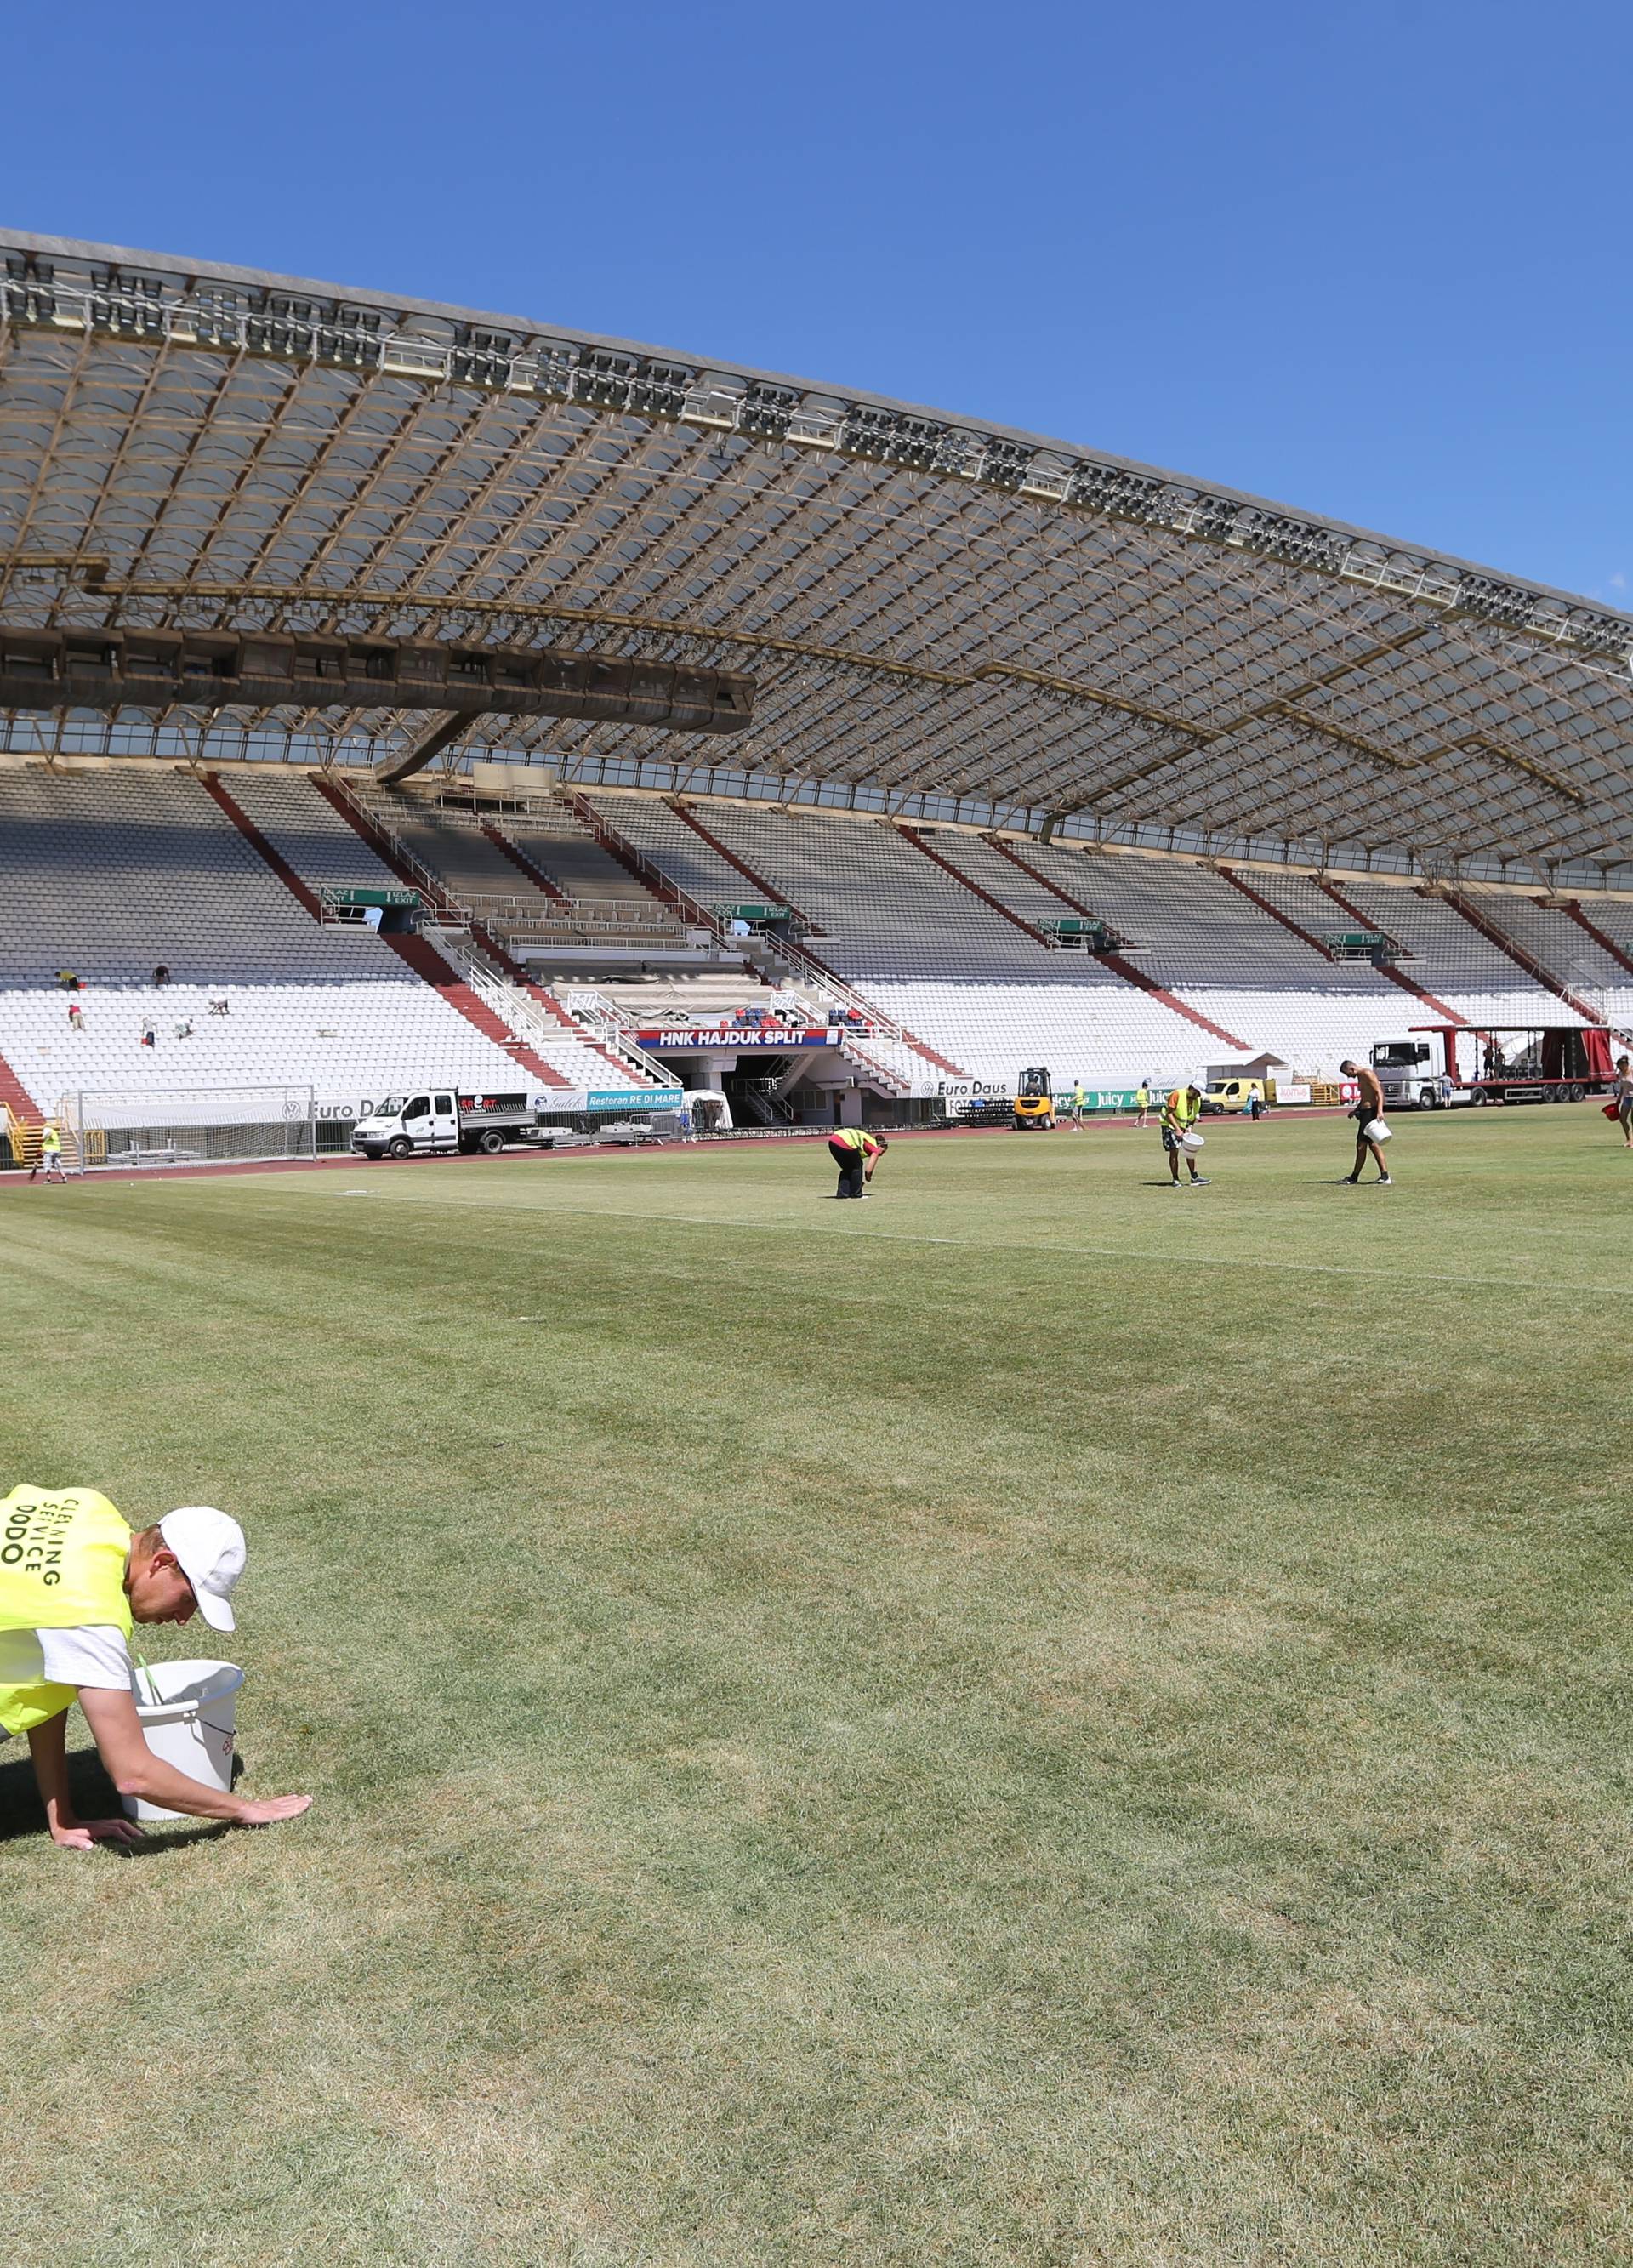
x,y
1364,1116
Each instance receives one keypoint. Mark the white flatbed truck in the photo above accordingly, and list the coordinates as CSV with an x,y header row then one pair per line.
x,y
446,1118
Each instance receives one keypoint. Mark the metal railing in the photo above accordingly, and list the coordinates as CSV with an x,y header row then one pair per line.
x,y
593,1008
612,1027
810,974
527,1020
525,912
644,870
457,810
436,891
834,990
766,1096
522,917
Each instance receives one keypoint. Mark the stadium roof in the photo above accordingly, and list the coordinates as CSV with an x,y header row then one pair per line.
x,y
942,617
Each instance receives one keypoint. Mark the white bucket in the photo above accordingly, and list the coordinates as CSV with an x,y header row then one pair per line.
x,y
187,1711
1379,1132
1191,1141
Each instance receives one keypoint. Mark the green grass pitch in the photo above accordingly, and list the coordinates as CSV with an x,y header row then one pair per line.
x,y
1040,1720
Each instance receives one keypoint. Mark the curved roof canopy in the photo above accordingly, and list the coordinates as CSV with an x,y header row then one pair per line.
x,y
938,614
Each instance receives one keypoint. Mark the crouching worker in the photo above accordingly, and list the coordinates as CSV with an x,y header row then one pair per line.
x,y
856,1152
73,1582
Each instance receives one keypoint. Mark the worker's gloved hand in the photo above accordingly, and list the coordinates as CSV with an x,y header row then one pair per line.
x,y
272,1808
85,1834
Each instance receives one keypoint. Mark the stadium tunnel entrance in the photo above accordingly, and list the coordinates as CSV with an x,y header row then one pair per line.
x,y
770,1082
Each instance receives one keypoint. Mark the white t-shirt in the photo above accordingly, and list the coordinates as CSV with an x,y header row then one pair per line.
x,y
95,1654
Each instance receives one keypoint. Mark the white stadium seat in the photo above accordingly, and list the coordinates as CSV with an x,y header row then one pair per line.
x,y
111,872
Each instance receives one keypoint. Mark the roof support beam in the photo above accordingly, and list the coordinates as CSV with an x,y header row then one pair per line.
x,y
435,735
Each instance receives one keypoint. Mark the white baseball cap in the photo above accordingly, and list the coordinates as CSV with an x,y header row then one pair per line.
x,y
208,1546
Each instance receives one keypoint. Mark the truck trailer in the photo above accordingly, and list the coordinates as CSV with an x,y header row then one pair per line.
x,y
1439,1066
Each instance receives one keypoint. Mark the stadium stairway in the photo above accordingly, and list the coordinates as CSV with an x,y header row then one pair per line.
x,y
522,863
577,1056
827,974
1113,961
20,1120
1520,954
1455,967
111,872
1597,931
1297,929
767,889
1396,976
673,880
653,840
414,951
573,863
664,844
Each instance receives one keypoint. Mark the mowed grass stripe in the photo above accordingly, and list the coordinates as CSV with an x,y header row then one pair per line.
x,y
1060,1246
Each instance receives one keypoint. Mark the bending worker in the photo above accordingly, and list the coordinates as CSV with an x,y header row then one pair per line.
x,y
856,1152
73,1582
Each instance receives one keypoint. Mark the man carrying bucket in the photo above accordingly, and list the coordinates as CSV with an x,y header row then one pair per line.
x,y
1367,1113
1180,1138
73,1582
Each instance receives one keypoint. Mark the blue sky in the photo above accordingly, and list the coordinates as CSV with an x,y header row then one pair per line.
x,y
1371,261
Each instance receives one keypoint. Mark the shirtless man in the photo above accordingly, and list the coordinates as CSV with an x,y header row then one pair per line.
x,y
1371,1105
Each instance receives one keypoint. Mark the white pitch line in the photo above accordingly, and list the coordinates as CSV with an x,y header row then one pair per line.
x,y
965,1244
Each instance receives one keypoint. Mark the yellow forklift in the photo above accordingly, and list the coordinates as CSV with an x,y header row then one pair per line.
x,y
1035,1101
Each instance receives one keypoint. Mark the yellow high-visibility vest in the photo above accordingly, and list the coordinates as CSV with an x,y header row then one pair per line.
x,y
50,1139
61,1566
852,1137
1181,1108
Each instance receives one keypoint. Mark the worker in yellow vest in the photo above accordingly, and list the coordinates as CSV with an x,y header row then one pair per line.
x,y
856,1152
1181,1110
50,1153
74,1581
